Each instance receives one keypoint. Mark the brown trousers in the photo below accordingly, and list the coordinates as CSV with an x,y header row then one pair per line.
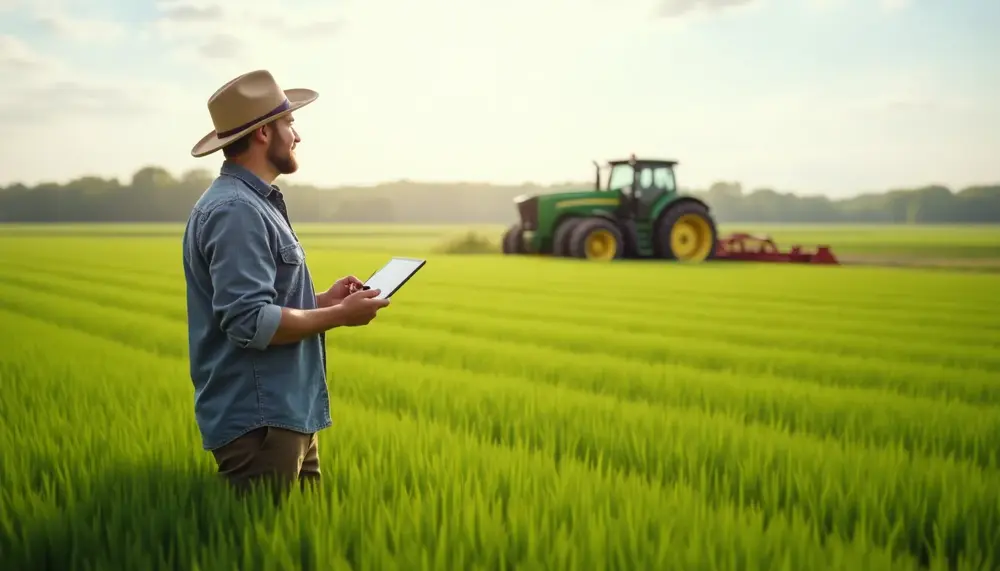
x,y
269,455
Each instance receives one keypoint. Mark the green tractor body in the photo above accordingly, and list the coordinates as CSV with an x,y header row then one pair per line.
x,y
635,213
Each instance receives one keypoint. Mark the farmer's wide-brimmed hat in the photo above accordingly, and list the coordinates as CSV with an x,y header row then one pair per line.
x,y
243,104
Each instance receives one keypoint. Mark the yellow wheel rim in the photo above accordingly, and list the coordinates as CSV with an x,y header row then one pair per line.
x,y
691,238
601,245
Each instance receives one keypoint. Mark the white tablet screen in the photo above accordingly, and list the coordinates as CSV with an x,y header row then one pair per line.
x,y
393,275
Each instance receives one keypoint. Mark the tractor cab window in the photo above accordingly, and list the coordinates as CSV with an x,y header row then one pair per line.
x,y
663,179
646,178
621,176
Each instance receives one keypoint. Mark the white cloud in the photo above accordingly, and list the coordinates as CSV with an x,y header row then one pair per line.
x,y
826,5
894,5
884,5
676,8
17,58
183,12
205,31
870,96
95,123
49,90
76,28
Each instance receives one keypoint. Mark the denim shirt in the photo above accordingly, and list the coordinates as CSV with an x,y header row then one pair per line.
x,y
242,263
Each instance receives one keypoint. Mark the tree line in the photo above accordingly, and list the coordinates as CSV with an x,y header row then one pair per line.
x,y
155,195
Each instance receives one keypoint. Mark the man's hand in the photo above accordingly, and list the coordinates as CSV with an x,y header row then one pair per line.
x,y
338,291
360,307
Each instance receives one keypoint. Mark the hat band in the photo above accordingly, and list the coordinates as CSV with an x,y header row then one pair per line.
x,y
283,107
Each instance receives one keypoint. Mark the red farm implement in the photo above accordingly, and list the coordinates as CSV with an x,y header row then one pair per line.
x,y
745,247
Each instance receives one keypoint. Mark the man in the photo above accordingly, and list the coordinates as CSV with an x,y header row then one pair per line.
x,y
256,327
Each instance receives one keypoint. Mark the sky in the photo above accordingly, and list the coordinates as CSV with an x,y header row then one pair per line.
x,y
835,97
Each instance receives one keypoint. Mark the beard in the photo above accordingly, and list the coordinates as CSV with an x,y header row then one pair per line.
x,y
280,156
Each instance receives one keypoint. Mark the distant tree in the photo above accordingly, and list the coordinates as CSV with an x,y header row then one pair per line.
x,y
155,195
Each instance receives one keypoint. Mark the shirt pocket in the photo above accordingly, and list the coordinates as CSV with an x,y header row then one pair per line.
x,y
288,278
292,254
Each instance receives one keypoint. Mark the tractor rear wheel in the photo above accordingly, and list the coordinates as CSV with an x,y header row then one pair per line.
x,y
596,239
687,233
560,241
512,240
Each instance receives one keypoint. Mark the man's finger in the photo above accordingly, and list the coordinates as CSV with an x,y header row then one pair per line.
x,y
366,293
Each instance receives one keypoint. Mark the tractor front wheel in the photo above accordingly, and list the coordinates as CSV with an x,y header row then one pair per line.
x,y
686,233
596,239
513,242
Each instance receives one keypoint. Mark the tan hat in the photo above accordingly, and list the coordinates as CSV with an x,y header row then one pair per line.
x,y
246,103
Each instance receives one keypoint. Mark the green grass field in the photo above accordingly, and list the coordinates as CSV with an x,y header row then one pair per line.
x,y
520,413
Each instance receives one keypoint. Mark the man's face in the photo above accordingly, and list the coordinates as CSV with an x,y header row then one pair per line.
x,y
281,149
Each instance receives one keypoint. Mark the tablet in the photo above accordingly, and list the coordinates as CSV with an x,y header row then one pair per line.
x,y
393,275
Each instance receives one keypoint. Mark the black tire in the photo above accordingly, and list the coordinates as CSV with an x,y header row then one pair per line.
x,y
589,228
697,221
512,240
560,241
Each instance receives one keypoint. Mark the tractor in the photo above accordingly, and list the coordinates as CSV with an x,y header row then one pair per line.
x,y
636,213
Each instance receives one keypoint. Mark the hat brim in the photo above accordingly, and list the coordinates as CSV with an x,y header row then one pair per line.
x,y
297,99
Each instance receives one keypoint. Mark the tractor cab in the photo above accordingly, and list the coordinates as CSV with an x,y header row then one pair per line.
x,y
639,183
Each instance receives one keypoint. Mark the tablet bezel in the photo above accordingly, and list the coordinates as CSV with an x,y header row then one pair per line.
x,y
399,286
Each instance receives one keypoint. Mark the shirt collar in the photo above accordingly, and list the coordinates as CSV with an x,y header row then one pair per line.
x,y
236,170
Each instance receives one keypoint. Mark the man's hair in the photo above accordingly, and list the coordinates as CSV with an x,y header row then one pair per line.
x,y
241,145
237,147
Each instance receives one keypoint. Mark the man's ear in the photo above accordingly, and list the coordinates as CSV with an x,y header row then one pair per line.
x,y
262,134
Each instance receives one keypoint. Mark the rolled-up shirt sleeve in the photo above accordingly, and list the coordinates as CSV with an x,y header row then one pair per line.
x,y
235,242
